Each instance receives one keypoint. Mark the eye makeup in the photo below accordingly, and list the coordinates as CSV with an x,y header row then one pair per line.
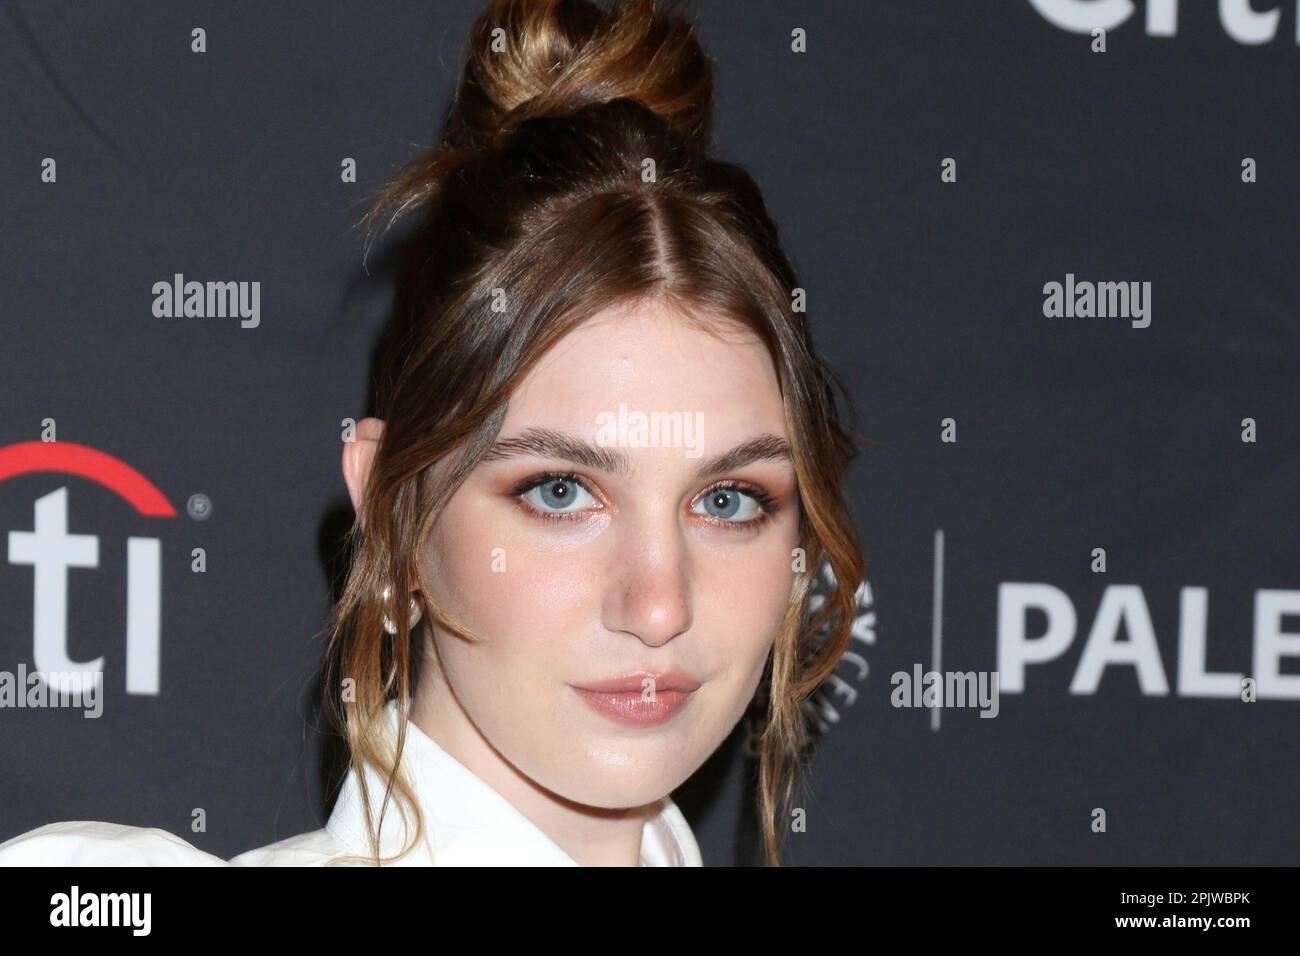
x,y
765,503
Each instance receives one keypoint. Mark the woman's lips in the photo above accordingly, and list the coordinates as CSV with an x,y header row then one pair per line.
x,y
631,707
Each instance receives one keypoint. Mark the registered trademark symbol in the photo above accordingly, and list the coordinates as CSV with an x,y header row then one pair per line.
x,y
199,507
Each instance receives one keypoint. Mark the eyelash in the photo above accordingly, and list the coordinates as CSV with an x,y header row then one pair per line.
x,y
767,504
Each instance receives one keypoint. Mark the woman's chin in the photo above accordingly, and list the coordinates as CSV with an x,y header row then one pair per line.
x,y
630,783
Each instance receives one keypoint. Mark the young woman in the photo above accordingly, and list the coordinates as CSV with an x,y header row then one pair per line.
x,y
604,470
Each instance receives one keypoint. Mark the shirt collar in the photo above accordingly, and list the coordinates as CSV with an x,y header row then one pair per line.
x,y
467,823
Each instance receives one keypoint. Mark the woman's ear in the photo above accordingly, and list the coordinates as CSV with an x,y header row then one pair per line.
x,y
358,454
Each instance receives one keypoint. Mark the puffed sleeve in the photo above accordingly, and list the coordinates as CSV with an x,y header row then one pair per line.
x,y
95,843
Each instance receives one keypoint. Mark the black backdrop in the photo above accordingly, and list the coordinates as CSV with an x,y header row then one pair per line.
x,y
1073,432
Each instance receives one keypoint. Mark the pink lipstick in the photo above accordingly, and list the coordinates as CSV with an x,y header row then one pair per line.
x,y
640,699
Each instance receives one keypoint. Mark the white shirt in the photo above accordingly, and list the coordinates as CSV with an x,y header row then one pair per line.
x,y
467,823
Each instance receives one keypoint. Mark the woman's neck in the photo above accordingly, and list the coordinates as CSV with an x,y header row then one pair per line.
x,y
591,836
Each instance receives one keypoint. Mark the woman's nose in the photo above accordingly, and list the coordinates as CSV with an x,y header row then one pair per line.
x,y
648,587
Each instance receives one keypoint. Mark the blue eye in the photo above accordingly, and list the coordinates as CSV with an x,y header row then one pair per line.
x,y
728,503
558,494
562,496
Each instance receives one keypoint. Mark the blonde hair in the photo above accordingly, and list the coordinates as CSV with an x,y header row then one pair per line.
x,y
538,188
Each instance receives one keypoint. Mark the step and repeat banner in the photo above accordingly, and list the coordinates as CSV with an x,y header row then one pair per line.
x,y
1051,246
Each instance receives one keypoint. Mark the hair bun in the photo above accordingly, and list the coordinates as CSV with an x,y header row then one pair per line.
x,y
531,58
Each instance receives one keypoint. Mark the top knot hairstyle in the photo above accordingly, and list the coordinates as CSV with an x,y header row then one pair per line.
x,y
574,176
546,59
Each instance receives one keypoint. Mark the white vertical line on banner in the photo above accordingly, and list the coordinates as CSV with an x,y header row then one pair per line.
x,y
936,638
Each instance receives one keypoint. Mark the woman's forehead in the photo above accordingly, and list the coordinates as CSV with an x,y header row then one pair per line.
x,y
648,359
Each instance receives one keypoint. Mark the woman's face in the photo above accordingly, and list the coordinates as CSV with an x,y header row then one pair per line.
x,y
652,561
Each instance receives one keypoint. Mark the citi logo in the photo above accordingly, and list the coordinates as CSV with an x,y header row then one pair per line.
x,y
51,551
1239,21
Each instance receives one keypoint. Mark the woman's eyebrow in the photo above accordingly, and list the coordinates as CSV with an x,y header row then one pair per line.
x,y
548,443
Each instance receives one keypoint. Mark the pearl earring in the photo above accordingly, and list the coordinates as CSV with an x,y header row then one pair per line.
x,y
389,626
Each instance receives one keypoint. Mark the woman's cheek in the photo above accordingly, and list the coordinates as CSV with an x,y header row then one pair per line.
x,y
514,593
755,582
749,607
